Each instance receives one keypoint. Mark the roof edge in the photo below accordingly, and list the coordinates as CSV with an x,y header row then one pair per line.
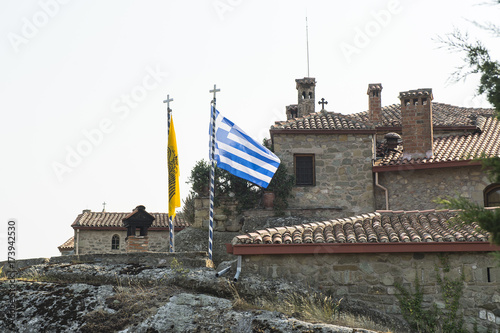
x,y
451,128
176,228
359,248
322,131
421,166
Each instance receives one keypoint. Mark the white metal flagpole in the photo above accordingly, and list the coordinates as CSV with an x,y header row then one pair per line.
x,y
212,176
170,220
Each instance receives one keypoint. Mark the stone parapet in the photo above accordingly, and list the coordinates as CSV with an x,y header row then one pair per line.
x,y
149,259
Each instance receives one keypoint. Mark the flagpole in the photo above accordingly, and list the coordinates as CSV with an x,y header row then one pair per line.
x,y
170,220
212,176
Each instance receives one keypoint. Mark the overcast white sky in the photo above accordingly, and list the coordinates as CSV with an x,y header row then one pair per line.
x,y
82,84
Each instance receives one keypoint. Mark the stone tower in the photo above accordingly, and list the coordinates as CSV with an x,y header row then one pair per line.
x,y
306,96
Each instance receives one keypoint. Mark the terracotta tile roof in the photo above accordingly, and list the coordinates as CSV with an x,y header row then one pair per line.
x,y
442,115
323,121
114,220
380,227
67,245
451,148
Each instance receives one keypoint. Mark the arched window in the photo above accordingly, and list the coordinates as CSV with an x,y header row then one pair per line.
x,y
115,242
492,196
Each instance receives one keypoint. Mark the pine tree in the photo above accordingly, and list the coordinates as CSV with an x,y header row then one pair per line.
x,y
477,60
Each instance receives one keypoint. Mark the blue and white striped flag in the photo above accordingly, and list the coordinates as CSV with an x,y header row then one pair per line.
x,y
241,155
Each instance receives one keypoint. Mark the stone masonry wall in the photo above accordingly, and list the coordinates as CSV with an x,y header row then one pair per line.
x,y
137,244
191,259
99,241
416,189
371,279
343,171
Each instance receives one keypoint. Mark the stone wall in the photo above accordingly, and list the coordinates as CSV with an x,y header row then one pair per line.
x,y
99,241
416,189
137,244
371,279
192,259
224,214
230,221
343,167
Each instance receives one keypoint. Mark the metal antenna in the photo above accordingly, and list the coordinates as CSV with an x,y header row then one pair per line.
x,y
307,43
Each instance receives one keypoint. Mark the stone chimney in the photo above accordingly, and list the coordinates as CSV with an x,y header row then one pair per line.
x,y
392,140
292,111
135,244
375,102
138,219
306,97
416,121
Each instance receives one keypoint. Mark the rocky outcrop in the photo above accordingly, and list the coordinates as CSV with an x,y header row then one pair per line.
x,y
204,313
85,297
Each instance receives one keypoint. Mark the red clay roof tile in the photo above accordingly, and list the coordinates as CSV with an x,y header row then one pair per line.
x,y
67,245
462,147
387,227
114,220
442,115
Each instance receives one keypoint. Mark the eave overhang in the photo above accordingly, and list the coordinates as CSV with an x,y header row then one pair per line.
x,y
125,229
421,166
322,131
359,248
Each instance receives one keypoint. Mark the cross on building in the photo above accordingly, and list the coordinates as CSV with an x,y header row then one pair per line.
x,y
322,102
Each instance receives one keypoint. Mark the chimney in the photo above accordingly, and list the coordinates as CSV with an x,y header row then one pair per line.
x,y
416,121
375,102
392,140
138,219
305,90
291,111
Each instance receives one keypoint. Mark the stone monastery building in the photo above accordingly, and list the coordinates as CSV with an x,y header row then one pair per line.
x,y
370,180
104,232
373,177
396,157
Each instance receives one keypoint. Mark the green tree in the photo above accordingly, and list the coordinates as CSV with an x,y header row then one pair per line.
x,y
246,194
477,60
227,185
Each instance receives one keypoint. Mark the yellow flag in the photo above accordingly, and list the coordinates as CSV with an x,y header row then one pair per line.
x,y
174,197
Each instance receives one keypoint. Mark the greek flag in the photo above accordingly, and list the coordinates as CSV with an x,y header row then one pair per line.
x,y
241,155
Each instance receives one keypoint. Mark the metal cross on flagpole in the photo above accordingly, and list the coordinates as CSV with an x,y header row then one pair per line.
x,y
168,100
170,220
212,176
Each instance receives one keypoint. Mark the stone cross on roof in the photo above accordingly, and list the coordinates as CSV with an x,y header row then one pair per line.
x,y
322,102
